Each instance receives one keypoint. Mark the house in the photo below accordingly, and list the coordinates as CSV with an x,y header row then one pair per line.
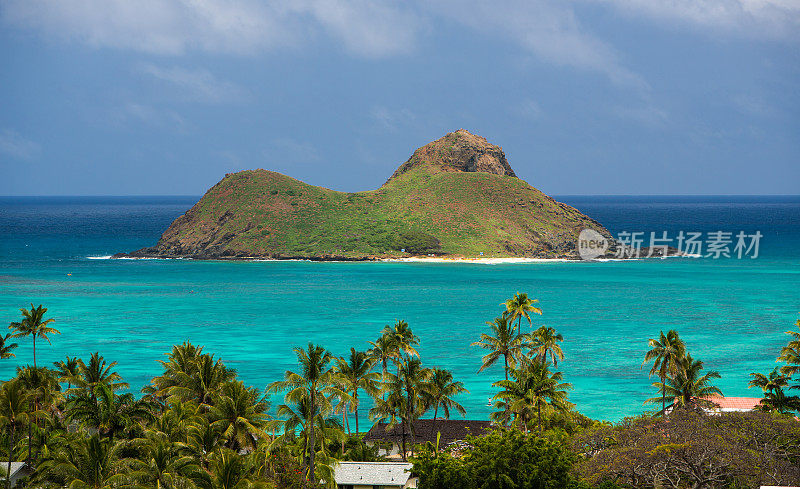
x,y
424,430
18,471
371,475
732,404
722,404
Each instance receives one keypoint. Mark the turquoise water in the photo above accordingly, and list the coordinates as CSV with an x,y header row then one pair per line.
x,y
732,313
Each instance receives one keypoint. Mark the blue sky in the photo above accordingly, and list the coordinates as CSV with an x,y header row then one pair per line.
x,y
113,97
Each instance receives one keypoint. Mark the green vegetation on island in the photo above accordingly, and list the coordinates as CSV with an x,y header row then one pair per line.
x,y
197,426
456,196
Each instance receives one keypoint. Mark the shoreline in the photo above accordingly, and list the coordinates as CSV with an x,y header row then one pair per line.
x,y
408,259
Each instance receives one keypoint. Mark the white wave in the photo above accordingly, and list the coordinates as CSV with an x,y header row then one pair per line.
x,y
105,257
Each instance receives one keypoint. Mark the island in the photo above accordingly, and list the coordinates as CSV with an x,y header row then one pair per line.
x,y
456,197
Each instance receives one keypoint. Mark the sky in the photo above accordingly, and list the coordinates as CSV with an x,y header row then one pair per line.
x,y
586,97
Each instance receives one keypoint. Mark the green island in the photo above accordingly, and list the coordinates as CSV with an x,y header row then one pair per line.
x,y
455,197
195,425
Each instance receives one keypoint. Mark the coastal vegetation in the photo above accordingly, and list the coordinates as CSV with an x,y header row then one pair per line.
x,y
196,425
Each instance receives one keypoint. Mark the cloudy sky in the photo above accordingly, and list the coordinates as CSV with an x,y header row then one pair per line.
x,y
116,97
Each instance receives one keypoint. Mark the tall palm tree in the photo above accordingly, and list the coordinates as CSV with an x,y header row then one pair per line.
x,y
546,340
13,414
504,342
403,338
791,353
68,370
688,387
520,306
440,389
6,347
43,390
317,382
383,349
533,388
98,372
666,353
356,372
240,415
35,325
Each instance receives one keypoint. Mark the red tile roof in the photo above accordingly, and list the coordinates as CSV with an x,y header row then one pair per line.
x,y
735,403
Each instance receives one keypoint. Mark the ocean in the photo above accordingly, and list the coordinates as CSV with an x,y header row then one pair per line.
x,y
731,312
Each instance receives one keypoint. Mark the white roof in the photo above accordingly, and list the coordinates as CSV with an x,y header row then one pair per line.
x,y
373,473
15,467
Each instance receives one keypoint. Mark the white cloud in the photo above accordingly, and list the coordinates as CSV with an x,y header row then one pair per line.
x,y
767,19
173,27
549,30
197,84
15,145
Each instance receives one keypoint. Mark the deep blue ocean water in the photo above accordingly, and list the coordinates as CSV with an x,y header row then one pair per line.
x,y
732,313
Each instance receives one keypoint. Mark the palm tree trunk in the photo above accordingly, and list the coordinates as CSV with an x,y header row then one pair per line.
x,y
30,437
34,351
312,446
663,397
539,409
355,396
10,454
505,361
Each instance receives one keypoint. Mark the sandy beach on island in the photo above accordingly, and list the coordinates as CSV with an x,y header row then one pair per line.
x,y
480,260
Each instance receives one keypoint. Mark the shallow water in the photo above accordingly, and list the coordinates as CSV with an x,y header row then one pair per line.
x,y
732,313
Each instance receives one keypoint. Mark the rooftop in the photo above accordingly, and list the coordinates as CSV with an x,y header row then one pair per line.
x,y
727,404
426,430
372,473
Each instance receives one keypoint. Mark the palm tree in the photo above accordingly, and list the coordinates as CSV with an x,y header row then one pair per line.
x,y
33,324
777,400
411,381
383,350
43,390
6,347
230,470
317,382
688,387
791,353
666,353
240,415
520,306
533,388
440,389
69,370
97,372
546,340
13,414
109,413
504,342
205,379
403,338
87,462
162,466
356,373
768,382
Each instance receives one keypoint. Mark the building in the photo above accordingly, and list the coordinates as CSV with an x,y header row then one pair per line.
x,y
732,404
425,430
371,475
18,471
